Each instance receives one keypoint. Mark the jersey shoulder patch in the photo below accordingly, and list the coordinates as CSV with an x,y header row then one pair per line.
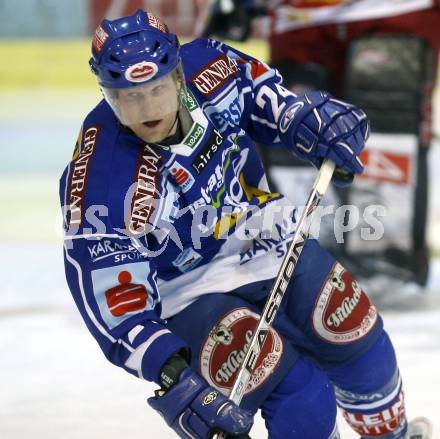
x,y
208,70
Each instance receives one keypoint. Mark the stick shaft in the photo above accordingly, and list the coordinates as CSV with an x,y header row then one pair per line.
x,y
282,279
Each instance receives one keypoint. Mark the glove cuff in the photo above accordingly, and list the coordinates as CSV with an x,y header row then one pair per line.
x,y
180,396
172,369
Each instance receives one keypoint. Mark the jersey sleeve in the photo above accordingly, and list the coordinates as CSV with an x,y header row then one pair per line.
x,y
115,290
263,99
111,277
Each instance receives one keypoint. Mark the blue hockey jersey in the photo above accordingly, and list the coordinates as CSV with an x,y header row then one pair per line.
x,y
149,228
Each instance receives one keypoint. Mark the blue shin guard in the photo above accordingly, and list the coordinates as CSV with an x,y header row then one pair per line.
x,y
369,392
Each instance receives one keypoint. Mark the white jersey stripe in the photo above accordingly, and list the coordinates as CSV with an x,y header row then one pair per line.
x,y
135,359
375,404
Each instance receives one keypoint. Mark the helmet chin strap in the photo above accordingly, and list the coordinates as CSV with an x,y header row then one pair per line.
x,y
181,126
174,134
173,128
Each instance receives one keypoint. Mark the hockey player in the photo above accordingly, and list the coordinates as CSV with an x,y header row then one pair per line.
x,y
173,240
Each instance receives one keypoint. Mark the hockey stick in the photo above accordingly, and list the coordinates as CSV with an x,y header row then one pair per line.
x,y
281,281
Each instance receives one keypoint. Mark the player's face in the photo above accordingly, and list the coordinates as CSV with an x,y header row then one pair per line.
x,y
157,129
150,110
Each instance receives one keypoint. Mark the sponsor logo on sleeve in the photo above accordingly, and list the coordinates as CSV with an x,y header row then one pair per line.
x,y
215,74
78,176
155,22
206,154
225,348
141,71
182,177
99,39
119,252
122,291
343,313
126,297
145,195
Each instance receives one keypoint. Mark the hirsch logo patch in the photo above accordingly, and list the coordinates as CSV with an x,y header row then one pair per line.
x,y
206,154
141,72
225,348
343,313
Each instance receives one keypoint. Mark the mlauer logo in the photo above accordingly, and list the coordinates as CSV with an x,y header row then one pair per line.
x,y
225,348
343,313
141,72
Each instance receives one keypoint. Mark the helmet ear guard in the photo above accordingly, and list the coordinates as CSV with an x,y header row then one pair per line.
x,y
92,67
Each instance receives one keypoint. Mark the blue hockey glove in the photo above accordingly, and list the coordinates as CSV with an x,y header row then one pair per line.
x,y
194,410
319,126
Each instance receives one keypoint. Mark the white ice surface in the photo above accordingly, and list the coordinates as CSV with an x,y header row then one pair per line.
x,y
56,384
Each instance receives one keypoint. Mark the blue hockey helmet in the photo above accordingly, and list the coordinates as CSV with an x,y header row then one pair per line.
x,y
137,62
132,50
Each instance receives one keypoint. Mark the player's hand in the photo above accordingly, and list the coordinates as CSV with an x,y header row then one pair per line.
x,y
324,127
193,409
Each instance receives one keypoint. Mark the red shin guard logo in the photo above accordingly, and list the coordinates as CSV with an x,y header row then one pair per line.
x,y
343,313
226,346
379,423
